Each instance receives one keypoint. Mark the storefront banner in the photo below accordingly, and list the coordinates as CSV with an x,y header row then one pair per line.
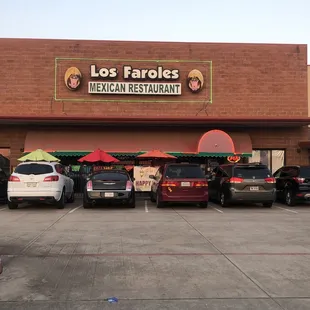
x,y
142,181
127,88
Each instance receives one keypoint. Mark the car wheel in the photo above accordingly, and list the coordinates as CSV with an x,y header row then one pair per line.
x,y
132,202
223,200
61,202
268,204
289,198
12,205
152,197
72,198
86,205
159,204
203,204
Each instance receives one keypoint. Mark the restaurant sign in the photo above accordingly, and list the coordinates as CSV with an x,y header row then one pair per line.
x,y
135,81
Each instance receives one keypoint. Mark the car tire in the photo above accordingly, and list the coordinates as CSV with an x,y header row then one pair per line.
x,y
290,198
223,200
204,204
268,204
61,202
86,205
152,197
159,204
132,202
72,198
12,205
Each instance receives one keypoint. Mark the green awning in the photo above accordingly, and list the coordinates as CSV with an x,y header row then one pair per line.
x,y
134,154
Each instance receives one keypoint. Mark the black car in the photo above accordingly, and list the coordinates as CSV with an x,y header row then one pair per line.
x,y
293,184
3,186
250,183
110,186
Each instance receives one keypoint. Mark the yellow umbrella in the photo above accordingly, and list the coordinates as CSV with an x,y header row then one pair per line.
x,y
39,155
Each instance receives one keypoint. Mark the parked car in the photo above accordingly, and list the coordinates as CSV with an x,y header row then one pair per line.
x,y
109,186
250,183
293,184
182,183
40,182
3,186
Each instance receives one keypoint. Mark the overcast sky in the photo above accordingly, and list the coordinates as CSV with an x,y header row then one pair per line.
x,y
273,21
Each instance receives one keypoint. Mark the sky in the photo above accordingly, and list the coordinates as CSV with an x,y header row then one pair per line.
x,y
238,21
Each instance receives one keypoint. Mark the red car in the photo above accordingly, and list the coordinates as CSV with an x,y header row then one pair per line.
x,y
184,183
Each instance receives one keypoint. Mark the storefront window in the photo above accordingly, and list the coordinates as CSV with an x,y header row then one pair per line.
x,y
274,159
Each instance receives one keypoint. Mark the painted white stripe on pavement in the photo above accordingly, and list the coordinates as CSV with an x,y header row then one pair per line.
x,y
75,209
217,210
286,209
3,209
145,206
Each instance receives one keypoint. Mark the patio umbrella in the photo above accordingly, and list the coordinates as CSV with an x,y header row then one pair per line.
x,y
98,156
156,154
39,155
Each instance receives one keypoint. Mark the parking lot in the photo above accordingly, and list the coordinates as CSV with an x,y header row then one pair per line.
x,y
180,257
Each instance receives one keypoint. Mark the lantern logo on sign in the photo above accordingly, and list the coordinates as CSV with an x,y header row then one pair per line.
x,y
233,159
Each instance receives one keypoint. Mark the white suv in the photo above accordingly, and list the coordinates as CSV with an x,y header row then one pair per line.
x,y
40,181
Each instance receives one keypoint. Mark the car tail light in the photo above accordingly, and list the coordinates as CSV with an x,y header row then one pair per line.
x,y
89,186
128,186
235,180
200,184
13,178
270,180
51,178
169,184
299,180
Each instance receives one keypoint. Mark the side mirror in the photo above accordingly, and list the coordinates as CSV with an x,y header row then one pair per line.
x,y
152,176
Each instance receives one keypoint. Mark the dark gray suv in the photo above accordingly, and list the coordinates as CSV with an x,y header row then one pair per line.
x,y
250,183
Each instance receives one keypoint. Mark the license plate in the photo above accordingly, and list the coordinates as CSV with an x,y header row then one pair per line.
x,y
31,184
254,188
185,183
108,194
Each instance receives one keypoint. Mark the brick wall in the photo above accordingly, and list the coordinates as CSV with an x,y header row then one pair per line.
x,y
13,138
248,79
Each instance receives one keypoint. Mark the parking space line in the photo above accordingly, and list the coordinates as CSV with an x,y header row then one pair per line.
x,y
145,206
217,210
3,209
286,209
71,211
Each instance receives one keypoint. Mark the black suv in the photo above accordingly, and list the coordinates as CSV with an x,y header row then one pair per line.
x,y
250,183
3,186
293,184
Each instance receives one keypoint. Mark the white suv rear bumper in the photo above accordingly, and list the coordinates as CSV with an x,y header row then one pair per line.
x,y
55,194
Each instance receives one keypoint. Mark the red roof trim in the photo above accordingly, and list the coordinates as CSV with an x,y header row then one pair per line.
x,y
172,120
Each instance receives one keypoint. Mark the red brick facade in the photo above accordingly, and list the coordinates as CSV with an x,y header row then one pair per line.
x,y
247,80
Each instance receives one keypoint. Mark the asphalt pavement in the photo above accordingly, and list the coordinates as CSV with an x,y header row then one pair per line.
x,y
178,257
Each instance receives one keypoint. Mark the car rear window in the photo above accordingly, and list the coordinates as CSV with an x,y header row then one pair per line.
x,y
35,169
184,172
250,172
304,172
111,176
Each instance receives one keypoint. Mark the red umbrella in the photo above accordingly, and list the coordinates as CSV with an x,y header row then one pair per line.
x,y
98,156
155,154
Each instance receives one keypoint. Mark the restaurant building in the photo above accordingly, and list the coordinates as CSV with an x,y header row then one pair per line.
x,y
201,102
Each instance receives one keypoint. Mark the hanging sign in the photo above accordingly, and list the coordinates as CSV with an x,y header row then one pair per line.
x,y
233,159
